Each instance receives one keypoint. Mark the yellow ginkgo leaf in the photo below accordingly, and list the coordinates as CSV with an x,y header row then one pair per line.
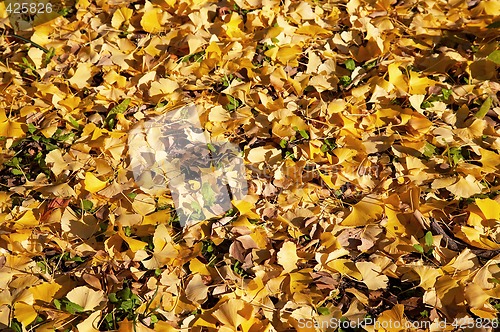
x,y
24,313
232,27
345,267
372,275
150,21
82,75
93,184
392,320
28,219
45,291
86,297
121,15
287,256
245,207
133,244
489,207
418,84
465,187
228,314
362,212
11,129
396,77
428,276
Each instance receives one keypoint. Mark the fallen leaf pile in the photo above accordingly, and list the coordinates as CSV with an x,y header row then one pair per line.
x,y
371,139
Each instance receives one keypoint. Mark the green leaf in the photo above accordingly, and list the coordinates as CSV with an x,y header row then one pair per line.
x,y
233,103
127,230
494,25
87,205
283,143
350,64
112,298
429,150
125,293
208,193
48,56
131,195
154,319
446,93
73,122
455,155
72,308
196,206
127,305
31,128
57,304
16,172
16,326
418,248
345,81
304,134
211,147
323,311
485,107
429,240
371,64
495,57
120,108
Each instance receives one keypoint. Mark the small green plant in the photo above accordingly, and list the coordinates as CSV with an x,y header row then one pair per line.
x,y
328,145
323,311
68,306
118,109
428,249
124,304
233,103
345,81
195,57
350,64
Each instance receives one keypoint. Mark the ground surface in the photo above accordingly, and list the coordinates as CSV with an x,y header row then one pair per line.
x,y
370,135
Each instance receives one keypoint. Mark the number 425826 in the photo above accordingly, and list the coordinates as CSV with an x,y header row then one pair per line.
x,y
29,8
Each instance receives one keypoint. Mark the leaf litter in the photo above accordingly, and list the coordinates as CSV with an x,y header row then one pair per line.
x,y
370,137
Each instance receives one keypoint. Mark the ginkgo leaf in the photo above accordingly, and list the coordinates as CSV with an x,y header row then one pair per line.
x,y
392,319
150,21
24,313
419,84
364,211
372,275
489,207
86,297
11,129
93,184
428,276
287,256
465,187
232,27
82,74
196,290
121,15
345,267
228,315
45,291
